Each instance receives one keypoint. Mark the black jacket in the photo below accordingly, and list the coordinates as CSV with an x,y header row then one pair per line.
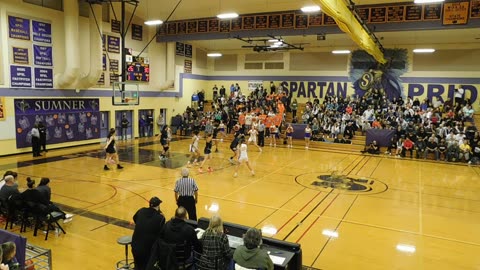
x,y
178,232
148,227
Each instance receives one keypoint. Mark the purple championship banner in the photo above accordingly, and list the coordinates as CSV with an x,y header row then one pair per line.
x,y
18,28
20,55
20,76
43,77
66,120
42,32
113,44
42,55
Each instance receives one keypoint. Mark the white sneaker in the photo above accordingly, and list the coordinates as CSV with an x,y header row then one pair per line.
x,y
235,174
67,216
67,220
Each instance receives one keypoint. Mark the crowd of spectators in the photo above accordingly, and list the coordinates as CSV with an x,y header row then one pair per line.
x,y
431,125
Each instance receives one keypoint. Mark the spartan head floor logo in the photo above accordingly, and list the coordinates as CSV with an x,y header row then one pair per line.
x,y
347,184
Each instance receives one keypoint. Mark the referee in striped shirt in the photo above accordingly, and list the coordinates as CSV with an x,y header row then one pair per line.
x,y
186,194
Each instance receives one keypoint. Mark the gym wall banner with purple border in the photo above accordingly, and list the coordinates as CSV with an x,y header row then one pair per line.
x,y
66,120
18,28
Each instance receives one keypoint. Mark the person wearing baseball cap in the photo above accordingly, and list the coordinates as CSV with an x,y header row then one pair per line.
x,y
149,222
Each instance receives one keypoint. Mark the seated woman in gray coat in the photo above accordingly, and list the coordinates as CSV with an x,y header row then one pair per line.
x,y
250,255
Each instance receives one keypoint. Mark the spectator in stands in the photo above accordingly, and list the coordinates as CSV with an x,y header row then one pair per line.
x,y
149,223
294,107
465,151
349,131
178,232
216,252
453,151
420,147
458,94
431,147
222,91
250,255
372,148
407,146
392,146
442,150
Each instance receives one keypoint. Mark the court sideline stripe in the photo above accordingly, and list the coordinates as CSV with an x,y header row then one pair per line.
x,y
281,206
300,210
354,163
364,160
308,214
311,225
336,228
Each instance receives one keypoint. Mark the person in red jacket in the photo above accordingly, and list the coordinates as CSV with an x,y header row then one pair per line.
x,y
407,146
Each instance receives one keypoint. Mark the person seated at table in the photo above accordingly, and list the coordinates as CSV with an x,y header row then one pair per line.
x,y
250,255
32,194
176,231
9,189
46,192
216,249
8,257
2,265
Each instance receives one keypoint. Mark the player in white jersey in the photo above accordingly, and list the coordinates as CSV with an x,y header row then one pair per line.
x,y
243,158
194,150
253,138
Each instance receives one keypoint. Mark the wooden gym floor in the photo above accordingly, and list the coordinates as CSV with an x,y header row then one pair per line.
x,y
385,213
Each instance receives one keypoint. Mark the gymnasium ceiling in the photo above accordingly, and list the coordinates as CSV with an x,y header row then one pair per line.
x,y
188,9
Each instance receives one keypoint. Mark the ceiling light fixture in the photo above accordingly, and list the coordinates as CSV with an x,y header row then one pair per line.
x,y
310,9
428,1
340,51
424,50
227,15
153,22
214,54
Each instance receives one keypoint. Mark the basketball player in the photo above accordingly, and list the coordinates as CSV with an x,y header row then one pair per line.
x,y
165,142
208,153
243,158
111,151
253,138
194,150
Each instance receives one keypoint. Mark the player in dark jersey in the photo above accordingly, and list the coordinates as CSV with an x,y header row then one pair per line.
x,y
234,146
208,153
165,142
111,151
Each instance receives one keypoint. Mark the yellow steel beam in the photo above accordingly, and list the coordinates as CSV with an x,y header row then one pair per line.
x,y
340,11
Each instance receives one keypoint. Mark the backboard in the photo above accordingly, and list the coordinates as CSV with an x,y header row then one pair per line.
x,y
125,93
